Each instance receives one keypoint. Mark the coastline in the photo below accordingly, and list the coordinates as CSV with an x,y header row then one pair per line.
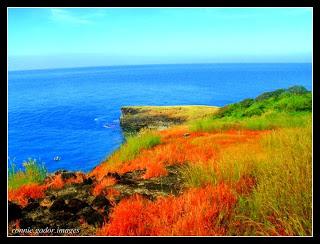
x,y
182,153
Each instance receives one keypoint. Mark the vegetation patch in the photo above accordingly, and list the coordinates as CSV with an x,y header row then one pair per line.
x,y
32,172
279,109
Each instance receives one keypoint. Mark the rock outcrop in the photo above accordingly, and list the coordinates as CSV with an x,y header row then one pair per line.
x,y
135,118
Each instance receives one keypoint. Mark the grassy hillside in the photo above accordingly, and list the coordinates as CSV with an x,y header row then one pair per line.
x,y
280,108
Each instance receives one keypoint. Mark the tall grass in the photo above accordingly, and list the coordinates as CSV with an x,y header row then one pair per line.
x,y
269,120
32,172
234,162
134,144
281,164
283,196
198,174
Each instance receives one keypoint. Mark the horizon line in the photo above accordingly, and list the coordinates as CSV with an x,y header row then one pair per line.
x,y
155,64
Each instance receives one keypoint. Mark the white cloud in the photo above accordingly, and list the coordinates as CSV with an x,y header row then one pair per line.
x,y
66,16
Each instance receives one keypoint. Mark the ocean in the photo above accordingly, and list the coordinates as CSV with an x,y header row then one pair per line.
x,y
74,113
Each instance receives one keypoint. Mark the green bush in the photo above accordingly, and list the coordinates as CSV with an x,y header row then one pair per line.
x,y
297,90
273,94
295,103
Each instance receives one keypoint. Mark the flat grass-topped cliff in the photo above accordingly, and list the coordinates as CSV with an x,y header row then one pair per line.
x,y
243,169
134,118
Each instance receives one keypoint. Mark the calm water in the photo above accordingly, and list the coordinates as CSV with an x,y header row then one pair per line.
x,y
74,113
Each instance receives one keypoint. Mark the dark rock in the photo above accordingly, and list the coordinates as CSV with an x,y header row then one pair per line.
x,y
31,200
132,120
127,179
127,182
29,223
106,211
75,205
52,197
68,175
31,206
58,205
26,223
93,218
14,211
88,181
58,172
64,216
115,175
100,202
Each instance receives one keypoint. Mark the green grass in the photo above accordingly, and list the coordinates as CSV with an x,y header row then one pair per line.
x,y
197,175
32,172
135,143
269,120
279,109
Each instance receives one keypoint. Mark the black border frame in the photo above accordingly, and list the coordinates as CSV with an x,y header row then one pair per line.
x,y
315,4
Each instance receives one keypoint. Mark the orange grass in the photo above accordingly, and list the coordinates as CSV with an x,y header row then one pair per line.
x,y
101,185
112,193
178,147
245,185
26,192
198,211
56,182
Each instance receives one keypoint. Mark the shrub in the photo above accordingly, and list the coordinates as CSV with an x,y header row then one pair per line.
x,y
295,103
33,172
294,99
247,102
297,90
267,95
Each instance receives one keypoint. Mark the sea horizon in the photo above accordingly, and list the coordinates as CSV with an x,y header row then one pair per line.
x,y
153,64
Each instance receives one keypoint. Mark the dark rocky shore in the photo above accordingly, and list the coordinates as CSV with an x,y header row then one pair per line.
x,y
74,207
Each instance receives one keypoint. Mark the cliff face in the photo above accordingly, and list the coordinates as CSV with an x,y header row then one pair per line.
x,y
135,118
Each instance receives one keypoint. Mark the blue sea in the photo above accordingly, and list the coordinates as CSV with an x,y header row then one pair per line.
x,y
74,113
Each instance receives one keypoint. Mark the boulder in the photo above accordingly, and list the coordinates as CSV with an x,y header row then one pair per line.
x,y
101,202
92,217
68,175
75,205
58,205
31,206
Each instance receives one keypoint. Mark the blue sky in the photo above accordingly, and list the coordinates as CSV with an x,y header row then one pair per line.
x,y
41,38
